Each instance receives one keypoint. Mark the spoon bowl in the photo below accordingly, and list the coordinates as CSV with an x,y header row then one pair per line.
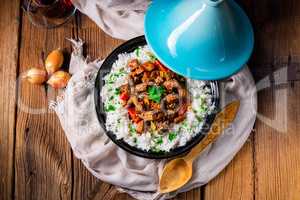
x,y
176,174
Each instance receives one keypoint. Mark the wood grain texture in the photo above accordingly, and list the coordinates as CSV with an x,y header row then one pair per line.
x,y
43,164
277,159
277,150
236,181
36,159
9,15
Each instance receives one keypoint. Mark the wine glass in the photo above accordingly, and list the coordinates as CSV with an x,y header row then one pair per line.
x,y
49,13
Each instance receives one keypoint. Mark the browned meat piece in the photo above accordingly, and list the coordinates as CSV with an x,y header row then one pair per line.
x,y
140,127
139,70
180,118
138,106
169,85
137,79
154,74
171,102
124,88
145,77
154,106
159,80
146,101
133,64
151,115
148,116
171,113
166,75
162,126
172,106
170,98
141,87
148,66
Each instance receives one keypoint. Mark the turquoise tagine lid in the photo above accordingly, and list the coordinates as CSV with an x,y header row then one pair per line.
x,y
200,39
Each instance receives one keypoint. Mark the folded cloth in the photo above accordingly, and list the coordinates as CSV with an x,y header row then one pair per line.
x,y
122,19
138,176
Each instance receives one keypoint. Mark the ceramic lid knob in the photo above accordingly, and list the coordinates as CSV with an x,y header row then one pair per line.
x,y
200,39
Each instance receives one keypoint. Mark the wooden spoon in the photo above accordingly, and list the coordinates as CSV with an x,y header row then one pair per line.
x,y
179,171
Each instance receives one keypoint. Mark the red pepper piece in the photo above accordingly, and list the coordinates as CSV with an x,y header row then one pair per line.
x,y
133,115
124,96
161,66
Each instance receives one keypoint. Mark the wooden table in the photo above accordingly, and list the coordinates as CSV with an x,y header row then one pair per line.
x,y
36,161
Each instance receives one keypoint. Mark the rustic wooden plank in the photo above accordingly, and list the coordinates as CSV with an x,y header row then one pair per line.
x,y
236,180
43,164
9,26
277,163
277,158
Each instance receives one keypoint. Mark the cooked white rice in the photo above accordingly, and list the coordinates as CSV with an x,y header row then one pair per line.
x,y
119,123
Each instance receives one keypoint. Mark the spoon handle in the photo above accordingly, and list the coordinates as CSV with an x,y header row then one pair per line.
x,y
222,120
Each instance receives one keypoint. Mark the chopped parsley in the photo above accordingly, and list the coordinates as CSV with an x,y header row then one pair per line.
x,y
114,76
172,136
117,91
138,51
159,140
199,118
132,129
110,108
155,93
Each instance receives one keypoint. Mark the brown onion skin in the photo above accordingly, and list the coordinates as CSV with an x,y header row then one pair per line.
x,y
54,61
59,79
36,76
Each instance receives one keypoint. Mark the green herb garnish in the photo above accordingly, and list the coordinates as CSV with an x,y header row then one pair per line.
x,y
137,52
110,108
199,118
155,93
132,129
159,140
112,78
172,136
117,91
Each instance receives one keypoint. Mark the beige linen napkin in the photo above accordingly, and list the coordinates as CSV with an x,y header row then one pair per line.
x,y
139,176
122,19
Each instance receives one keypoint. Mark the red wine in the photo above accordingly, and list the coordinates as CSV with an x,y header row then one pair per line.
x,y
44,2
54,8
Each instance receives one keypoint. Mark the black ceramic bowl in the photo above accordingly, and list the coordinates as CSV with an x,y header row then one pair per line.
x,y
128,47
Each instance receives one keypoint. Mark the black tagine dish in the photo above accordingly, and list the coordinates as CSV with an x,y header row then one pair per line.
x,y
146,115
